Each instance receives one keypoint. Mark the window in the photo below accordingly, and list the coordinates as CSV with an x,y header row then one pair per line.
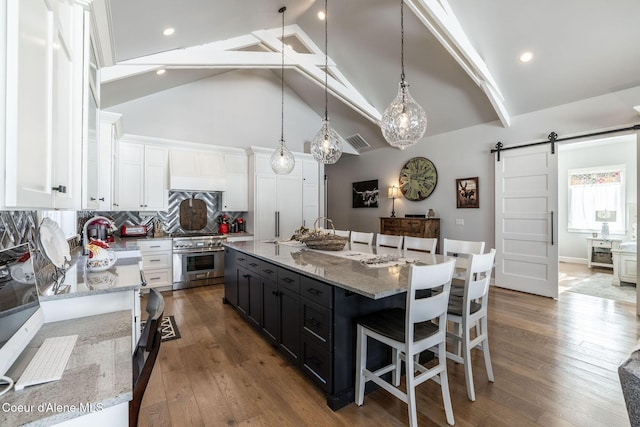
x,y
67,221
596,189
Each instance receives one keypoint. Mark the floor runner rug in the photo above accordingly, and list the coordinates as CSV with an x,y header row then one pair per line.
x,y
169,328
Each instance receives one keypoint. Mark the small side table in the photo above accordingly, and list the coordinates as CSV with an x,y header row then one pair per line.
x,y
599,251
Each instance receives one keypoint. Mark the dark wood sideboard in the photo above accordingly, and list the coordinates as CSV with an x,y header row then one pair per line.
x,y
414,227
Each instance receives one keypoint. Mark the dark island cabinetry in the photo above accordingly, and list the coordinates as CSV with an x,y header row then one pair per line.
x,y
311,322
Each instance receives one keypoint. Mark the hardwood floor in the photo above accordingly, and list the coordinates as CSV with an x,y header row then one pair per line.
x,y
555,364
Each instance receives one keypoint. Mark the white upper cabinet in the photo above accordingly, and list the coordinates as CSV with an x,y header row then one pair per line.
x,y
236,197
43,108
197,170
110,133
92,158
141,178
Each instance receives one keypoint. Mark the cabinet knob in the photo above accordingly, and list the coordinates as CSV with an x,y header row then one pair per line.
x,y
101,199
92,198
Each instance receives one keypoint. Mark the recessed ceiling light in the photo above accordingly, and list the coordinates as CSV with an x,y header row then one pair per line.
x,y
526,57
321,15
169,31
161,72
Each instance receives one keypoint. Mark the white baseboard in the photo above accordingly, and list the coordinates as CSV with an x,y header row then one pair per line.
x,y
572,260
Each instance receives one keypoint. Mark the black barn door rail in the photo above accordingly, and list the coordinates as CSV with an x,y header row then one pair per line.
x,y
553,138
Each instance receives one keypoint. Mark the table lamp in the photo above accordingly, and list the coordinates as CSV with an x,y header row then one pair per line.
x,y
393,195
605,217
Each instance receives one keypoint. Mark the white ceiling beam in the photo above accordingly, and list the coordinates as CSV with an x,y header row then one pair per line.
x,y
439,18
224,54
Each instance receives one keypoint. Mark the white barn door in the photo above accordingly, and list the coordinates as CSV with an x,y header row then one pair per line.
x,y
526,215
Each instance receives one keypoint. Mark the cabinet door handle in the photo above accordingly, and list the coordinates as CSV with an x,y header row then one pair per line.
x,y
92,198
288,280
60,189
101,199
246,276
253,264
268,271
314,291
155,260
115,204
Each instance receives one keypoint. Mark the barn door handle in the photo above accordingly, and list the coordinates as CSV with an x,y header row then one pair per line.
x,y
551,228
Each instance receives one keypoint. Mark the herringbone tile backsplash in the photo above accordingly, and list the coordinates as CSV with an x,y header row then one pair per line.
x,y
170,220
17,227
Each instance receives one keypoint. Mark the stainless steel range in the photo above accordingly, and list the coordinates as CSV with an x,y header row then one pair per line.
x,y
198,260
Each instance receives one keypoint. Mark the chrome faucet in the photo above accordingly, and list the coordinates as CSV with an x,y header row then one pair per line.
x,y
85,237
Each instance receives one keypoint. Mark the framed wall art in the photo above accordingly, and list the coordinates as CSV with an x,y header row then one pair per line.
x,y
467,193
365,194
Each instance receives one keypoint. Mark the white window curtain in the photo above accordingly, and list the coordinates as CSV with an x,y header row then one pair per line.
x,y
596,189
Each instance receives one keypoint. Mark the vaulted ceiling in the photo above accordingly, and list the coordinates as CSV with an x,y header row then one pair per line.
x,y
461,56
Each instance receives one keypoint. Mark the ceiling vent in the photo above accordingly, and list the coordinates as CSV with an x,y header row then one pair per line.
x,y
357,142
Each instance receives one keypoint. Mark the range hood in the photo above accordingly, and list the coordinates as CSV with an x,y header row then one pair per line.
x,y
191,170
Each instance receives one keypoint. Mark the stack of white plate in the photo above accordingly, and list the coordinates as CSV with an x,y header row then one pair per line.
x,y
54,244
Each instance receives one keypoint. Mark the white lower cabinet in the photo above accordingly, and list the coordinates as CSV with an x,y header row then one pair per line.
x,y
157,262
141,182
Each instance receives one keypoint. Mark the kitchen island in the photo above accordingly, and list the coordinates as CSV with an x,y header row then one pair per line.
x,y
305,303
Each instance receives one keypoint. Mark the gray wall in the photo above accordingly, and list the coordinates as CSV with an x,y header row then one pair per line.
x,y
461,154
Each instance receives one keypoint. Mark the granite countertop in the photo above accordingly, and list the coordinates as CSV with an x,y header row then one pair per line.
x,y
339,270
78,281
98,374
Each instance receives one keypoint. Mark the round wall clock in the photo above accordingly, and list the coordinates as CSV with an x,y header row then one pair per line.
x,y
418,178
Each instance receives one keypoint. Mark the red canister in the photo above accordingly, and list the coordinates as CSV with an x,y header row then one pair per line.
x,y
223,228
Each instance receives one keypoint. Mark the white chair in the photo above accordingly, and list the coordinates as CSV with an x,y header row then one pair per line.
x,y
343,233
425,244
409,332
359,237
389,241
470,312
461,247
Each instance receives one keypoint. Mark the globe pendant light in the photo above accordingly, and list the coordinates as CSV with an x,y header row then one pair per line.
x,y
326,146
404,121
282,160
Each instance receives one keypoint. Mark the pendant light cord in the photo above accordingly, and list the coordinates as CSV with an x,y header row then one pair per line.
x,y
402,41
326,61
282,79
